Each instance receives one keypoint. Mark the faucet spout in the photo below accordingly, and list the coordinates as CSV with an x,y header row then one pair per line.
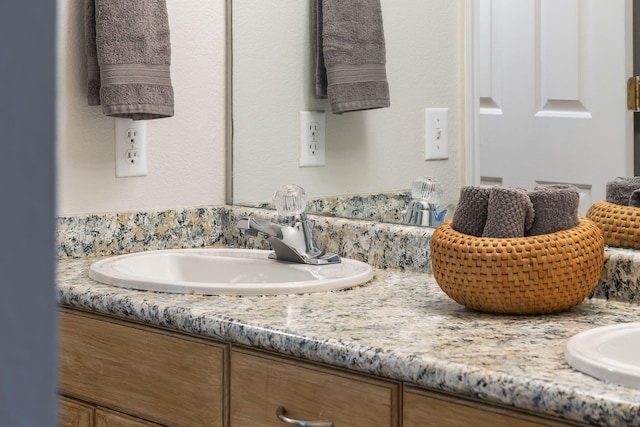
x,y
253,225
290,242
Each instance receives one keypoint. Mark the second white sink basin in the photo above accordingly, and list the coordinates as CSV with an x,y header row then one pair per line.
x,y
220,271
610,353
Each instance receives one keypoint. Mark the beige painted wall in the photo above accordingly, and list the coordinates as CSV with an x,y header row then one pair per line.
x,y
186,153
367,152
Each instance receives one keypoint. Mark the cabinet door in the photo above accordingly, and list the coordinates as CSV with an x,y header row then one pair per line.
x,y
423,408
72,413
149,373
262,383
107,418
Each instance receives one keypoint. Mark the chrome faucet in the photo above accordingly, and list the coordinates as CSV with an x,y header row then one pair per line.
x,y
425,207
429,214
291,239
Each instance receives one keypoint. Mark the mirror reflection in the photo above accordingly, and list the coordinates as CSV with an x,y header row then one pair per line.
x,y
552,86
373,154
372,157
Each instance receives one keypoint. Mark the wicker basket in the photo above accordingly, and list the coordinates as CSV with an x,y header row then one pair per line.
x,y
619,224
530,275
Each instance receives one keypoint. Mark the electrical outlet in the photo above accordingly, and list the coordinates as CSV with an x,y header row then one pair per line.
x,y
132,156
311,135
132,135
436,137
131,148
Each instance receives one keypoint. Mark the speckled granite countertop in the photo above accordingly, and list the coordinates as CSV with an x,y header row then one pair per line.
x,y
399,326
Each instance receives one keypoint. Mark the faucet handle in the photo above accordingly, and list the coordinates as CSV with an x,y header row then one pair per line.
x,y
427,189
290,200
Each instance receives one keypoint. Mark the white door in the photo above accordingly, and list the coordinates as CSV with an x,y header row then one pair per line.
x,y
553,93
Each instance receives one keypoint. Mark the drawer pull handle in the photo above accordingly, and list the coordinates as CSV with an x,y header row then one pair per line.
x,y
299,423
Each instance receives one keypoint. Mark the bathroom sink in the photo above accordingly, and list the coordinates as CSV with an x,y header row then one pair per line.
x,y
222,271
610,353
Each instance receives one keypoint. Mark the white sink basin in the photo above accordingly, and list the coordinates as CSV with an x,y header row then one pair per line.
x,y
220,271
610,353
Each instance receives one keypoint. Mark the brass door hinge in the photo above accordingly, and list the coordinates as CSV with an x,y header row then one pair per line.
x,y
633,94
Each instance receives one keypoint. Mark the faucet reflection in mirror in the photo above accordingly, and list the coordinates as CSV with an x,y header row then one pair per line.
x,y
291,240
425,207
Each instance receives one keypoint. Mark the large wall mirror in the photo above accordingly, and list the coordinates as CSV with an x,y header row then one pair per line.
x,y
376,151
441,54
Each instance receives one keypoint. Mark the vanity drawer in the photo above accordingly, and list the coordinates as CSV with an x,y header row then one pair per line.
x,y
107,418
145,372
261,383
72,413
425,408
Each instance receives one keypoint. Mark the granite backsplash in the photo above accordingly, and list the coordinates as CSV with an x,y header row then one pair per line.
x,y
382,245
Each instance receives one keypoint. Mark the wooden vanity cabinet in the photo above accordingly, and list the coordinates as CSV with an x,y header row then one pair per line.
x,y
155,375
425,408
73,413
121,374
260,383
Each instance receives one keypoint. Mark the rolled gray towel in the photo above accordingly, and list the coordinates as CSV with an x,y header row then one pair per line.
x,y
471,213
509,213
556,208
620,189
634,200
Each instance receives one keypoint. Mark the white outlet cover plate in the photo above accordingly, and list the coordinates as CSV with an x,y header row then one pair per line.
x,y
130,155
311,138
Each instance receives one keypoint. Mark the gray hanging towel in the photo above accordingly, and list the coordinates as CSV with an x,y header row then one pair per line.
x,y
128,58
350,54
